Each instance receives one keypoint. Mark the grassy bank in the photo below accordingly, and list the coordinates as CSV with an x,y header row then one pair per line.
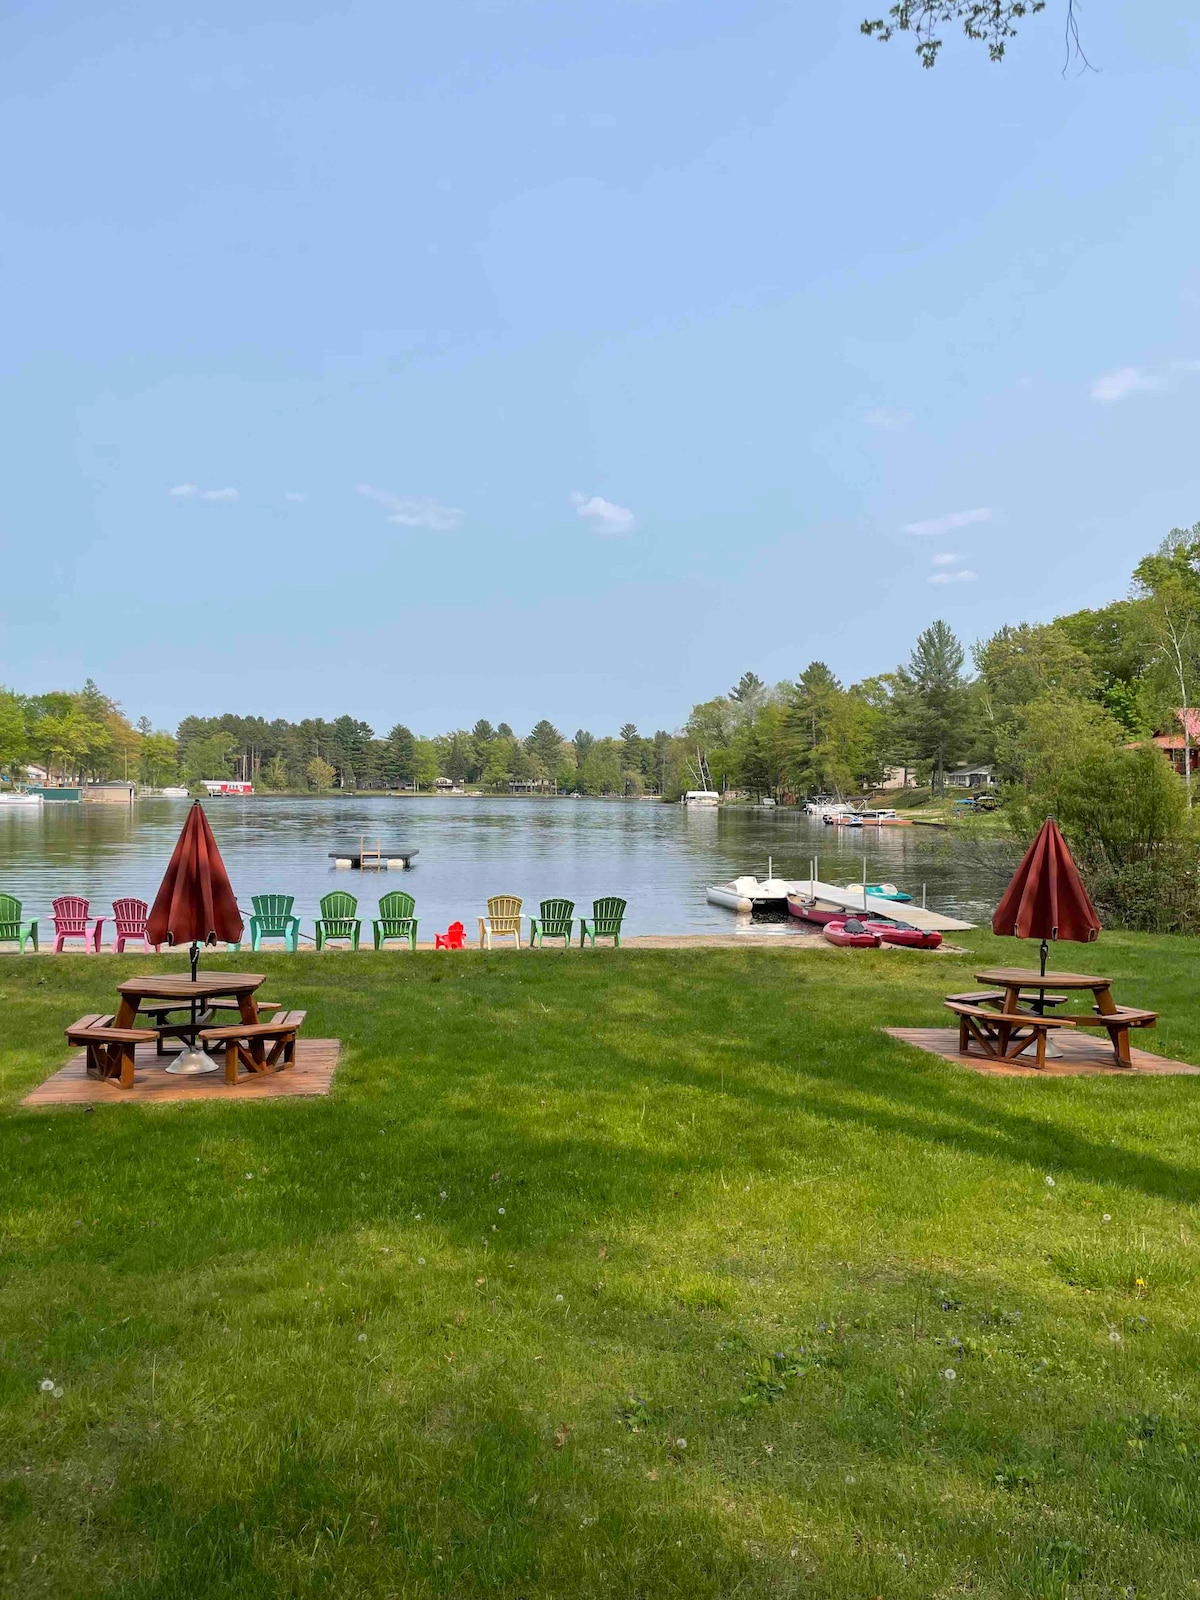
x,y
630,1274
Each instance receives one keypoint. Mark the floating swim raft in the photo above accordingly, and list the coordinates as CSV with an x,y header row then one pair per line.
x,y
371,853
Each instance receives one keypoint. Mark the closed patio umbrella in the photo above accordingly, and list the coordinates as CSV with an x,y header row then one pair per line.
x,y
195,905
1046,898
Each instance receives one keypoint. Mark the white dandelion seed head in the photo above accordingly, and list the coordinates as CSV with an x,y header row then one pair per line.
x,y
1049,1181
850,1478
1107,1217
441,1194
362,1338
681,1444
420,1261
46,1385
57,1391
500,1211
1114,1336
949,1374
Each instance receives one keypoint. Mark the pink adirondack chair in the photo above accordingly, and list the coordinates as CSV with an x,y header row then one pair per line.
x,y
129,917
71,921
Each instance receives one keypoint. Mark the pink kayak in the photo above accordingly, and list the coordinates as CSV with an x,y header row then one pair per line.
x,y
816,911
904,933
851,932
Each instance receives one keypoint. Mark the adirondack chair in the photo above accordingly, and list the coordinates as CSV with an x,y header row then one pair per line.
x,y
12,929
556,921
396,920
129,918
339,919
273,919
607,916
503,920
452,939
71,921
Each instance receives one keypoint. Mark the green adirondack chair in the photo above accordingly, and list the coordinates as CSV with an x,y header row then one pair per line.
x,y
607,916
12,929
396,920
273,919
556,920
339,919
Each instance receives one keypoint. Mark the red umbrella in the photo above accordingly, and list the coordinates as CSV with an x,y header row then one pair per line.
x,y
1046,898
195,903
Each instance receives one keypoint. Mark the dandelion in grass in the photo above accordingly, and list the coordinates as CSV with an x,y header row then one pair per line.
x,y
1049,1181
46,1385
681,1444
441,1194
949,1374
249,1175
57,1391
1114,1336
1107,1217
420,1261
500,1211
850,1478
362,1338
559,1298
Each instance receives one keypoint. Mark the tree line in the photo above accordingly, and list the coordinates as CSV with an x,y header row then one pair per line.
x,y
1119,673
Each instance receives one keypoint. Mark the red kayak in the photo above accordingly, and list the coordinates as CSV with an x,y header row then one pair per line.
x,y
818,912
851,932
904,933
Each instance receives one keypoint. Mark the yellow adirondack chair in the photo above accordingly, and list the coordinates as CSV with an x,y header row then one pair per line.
x,y
503,920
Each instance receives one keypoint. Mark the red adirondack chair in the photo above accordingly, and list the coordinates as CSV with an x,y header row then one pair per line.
x,y
71,921
452,939
130,919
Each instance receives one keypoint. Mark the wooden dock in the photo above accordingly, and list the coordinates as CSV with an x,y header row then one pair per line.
x,y
870,905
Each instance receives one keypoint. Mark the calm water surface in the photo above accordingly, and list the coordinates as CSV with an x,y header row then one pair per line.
x,y
660,858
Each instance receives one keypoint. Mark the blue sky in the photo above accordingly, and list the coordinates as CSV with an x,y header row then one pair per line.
x,y
516,358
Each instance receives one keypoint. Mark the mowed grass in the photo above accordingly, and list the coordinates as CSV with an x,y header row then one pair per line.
x,y
637,1273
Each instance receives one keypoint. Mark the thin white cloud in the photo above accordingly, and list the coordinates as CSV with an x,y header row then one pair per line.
x,y
184,491
1110,387
945,559
219,494
954,577
295,495
411,513
887,419
947,524
603,516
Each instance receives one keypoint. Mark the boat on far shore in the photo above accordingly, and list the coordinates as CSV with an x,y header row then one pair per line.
x,y
18,797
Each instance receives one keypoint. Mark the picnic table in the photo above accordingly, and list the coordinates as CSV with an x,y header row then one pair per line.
x,y
1027,992
176,991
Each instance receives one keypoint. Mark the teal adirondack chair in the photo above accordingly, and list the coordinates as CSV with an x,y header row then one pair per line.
x,y
273,919
12,929
339,919
607,916
556,920
396,920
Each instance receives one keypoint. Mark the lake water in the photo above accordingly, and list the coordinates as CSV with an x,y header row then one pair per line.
x,y
660,858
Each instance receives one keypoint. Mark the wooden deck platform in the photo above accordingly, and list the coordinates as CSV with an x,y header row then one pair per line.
x,y
316,1063
1083,1054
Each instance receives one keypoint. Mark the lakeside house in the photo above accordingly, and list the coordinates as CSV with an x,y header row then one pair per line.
x,y
971,778
1182,749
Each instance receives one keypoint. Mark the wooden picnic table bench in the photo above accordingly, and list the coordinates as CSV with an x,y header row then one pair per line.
x,y
169,1025
109,1050
246,1044
1018,983
1001,1035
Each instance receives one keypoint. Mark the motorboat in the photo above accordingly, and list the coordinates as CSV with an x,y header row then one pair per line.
x,y
903,933
850,932
701,797
17,797
175,793
878,891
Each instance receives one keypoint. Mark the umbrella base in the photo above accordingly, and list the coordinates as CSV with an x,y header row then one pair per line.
x,y
192,1062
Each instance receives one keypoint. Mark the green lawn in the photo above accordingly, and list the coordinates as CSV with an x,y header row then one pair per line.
x,y
640,1274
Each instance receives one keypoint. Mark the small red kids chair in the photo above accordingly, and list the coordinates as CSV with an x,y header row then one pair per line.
x,y
452,939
